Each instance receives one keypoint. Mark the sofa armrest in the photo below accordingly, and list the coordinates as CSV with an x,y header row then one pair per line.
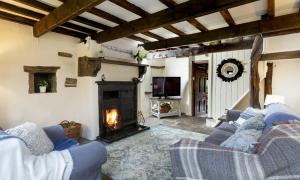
x,y
87,160
55,133
232,115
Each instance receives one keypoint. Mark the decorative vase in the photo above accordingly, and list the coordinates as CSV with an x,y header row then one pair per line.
x,y
43,89
139,61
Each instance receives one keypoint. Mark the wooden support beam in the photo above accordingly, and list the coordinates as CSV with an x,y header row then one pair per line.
x,y
67,11
47,8
36,15
280,55
271,8
227,17
172,4
136,38
30,22
268,80
280,33
281,23
174,30
197,25
37,4
254,74
82,20
182,12
130,7
169,3
192,51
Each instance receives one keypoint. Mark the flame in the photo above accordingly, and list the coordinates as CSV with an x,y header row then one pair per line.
x,y
112,118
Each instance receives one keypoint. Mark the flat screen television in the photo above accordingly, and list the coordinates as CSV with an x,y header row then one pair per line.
x,y
165,86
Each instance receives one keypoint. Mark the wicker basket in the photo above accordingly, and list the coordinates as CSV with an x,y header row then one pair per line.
x,y
71,129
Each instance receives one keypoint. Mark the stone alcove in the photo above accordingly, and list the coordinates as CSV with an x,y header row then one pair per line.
x,y
38,73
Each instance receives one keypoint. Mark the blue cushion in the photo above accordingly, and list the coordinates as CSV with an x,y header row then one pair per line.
x,y
65,144
256,123
279,116
247,114
272,108
243,140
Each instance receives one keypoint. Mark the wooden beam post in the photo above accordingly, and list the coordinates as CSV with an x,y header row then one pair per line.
x,y
268,80
68,10
257,50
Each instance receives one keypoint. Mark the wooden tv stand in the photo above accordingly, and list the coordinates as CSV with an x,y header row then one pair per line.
x,y
172,104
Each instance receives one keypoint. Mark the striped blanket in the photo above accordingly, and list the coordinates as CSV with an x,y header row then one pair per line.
x,y
277,157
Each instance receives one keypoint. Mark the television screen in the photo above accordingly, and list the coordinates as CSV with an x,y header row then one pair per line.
x,y
166,86
158,86
172,86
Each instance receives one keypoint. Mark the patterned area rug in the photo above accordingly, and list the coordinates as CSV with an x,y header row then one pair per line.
x,y
145,156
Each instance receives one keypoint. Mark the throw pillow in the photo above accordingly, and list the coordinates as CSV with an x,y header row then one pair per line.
x,y
256,123
35,138
247,114
245,140
279,116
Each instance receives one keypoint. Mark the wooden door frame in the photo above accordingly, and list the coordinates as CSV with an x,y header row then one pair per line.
x,y
193,84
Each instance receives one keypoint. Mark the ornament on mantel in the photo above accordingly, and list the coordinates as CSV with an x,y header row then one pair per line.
x,y
103,77
101,53
139,54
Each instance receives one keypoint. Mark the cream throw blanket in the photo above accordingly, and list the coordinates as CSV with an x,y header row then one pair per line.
x,y
17,162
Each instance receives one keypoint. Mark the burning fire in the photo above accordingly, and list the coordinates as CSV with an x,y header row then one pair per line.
x,y
112,118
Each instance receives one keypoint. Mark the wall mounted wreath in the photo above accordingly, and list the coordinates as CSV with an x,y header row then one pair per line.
x,y
230,70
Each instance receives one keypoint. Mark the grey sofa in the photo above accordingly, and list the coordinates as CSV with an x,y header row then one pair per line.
x,y
225,130
87,158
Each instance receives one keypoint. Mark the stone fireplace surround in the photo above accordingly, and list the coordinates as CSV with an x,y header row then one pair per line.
x,y
122,97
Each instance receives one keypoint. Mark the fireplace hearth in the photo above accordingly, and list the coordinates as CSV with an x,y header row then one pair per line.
x,y
118,110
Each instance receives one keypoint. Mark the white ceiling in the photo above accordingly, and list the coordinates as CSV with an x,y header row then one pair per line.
x,y
242,14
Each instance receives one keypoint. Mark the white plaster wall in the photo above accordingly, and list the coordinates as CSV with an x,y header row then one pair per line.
x,y
286,73
182,67
18,47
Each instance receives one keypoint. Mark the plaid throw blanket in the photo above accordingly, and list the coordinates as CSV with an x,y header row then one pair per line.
x,y
278,157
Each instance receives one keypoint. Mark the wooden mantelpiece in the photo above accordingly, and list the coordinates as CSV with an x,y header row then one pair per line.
x,y
88,66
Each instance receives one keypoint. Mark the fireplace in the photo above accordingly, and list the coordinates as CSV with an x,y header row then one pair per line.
x,y
118,110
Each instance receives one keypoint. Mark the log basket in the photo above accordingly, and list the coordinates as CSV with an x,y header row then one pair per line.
x,y
71,129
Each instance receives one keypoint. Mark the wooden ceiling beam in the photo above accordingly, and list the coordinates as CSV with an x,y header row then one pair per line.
x,y
48,8
174,30
169,3
30,22
281,23
139,11
197,25
283,32
192,51
37,4
155,36
280,55
182,12
130,7
82,20
36,15
67,11
172,4
227,17
136,38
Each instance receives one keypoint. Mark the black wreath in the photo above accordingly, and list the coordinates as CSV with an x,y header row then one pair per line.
x,y
233,61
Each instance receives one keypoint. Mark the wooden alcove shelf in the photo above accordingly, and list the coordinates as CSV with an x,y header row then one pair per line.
x,y
89,66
